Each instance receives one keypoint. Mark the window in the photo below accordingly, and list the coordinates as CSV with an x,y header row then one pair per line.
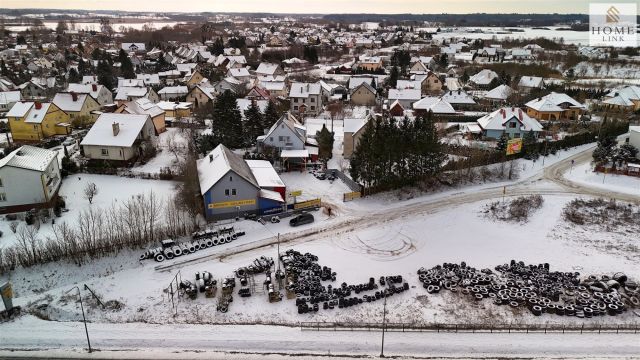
x,y
1,182
281,138
3,197
233,192
295,108
271,138
512,125
313,107
313,99
295,100
105,152
226,192
230,178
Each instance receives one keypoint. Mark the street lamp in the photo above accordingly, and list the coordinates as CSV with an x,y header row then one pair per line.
x,y
83,317
384,319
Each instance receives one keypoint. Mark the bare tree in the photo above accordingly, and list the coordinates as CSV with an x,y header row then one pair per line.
x,y
90,191
14,226
173,146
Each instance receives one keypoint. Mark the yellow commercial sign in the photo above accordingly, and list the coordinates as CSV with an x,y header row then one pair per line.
x,y
351,195
296,193
228,204
514,146
307,204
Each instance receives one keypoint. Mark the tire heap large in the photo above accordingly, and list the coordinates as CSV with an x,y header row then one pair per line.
x,y
305,277
199,241
537,288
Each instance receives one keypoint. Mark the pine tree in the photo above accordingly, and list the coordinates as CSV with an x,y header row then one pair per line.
x,y
105,74
502,143
227,120
271,115
253,126
126,66
74,77
393,77
325,143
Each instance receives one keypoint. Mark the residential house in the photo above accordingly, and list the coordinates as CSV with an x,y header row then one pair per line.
x,y
35,121
498,94
529,83
99,93
176,109
258,93
306,98
231,84
230,187
133,47
406,97
460,99
511,121
241,74
555,106
147,80
634,138
7,100
195,78
200,95
29,178
353,130
370,63
79,107
269,69
173,92
144,106
435,105
285,134
483,79
363,95
625,98
429,82
33,91
118,137
126,93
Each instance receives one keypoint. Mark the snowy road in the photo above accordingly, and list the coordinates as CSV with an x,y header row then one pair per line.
x,y
214,341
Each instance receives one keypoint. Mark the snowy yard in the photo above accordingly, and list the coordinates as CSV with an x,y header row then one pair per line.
x,y
171,145
372,249
111,191
583,174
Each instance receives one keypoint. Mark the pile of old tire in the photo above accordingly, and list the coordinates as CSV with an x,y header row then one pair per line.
x,y
535,287
305,278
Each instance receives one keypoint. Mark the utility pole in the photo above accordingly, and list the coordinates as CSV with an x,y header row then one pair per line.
x,y
84,319
384,319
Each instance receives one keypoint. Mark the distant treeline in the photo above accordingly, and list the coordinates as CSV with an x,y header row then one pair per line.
x,y
478,19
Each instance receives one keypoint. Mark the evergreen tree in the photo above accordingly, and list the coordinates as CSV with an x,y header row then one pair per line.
x,y
465,77
325,143
503,141
393,77
227,120
74,77
253,126
605,151
105,74
443,60
271,115
126,66
82,67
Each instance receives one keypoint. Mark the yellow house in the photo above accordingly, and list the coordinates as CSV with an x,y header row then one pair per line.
x,y
555,106
373,63
80,107
34,121
195,78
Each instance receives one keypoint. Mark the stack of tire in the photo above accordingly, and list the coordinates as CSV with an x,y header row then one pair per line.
x,y
160,254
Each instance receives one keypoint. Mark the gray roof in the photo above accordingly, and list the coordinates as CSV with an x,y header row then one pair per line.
x,y
30,158
218,163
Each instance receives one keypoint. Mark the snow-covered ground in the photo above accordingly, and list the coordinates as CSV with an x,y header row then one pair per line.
x,y
584,174
171,145
111,191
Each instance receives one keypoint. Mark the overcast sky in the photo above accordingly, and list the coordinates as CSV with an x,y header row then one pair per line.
x,y
321,6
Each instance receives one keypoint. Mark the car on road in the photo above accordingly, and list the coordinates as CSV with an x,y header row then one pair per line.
x,y
301,219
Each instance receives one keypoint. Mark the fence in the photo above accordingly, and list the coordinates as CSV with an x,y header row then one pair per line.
x,y
473,328
354,186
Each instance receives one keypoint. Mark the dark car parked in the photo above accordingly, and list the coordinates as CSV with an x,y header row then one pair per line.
x,y
301,220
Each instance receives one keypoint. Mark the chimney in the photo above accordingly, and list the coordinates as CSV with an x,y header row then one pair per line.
x,y
520,114
116,128
504,113
74,96
210,157
38,105
94,87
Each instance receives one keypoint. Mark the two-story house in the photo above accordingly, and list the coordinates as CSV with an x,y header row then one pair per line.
x,y
511,121
306,98
35,121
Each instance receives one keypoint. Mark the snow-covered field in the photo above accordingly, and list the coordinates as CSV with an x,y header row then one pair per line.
x,y
111,191
583,174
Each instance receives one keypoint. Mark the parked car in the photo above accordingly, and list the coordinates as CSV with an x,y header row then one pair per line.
x,y
301,219
69,141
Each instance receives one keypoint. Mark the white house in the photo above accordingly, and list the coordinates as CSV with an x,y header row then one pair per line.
x,y
118,137
634,137
511,121
306,98
98,92
286,134
29,178
483,78
406,97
